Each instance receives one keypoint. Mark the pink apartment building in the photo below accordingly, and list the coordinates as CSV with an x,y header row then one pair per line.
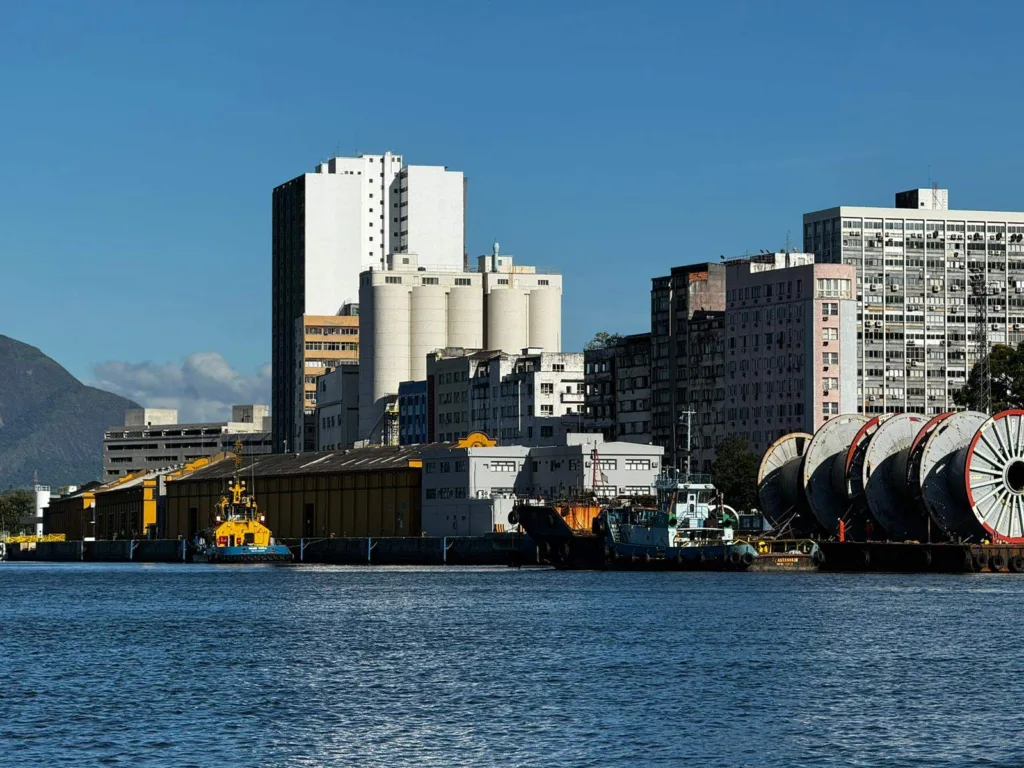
x,y
790,345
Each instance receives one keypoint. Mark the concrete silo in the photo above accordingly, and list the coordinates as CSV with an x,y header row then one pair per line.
x,y
507,321
384,351
546,319
466,317
428,328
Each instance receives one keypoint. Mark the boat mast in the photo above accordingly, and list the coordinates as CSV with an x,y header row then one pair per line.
x,y
689,413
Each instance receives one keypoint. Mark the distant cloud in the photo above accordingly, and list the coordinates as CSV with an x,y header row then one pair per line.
x,y
202,388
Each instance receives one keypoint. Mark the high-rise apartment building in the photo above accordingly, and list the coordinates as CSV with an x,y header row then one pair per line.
x,y
790,346
934,286
752,348
330,225
687,359
618,389
410,310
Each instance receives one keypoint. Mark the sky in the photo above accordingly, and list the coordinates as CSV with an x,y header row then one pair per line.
x,y
140,143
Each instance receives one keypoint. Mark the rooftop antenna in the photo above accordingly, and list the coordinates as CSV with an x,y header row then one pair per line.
x,y
787,240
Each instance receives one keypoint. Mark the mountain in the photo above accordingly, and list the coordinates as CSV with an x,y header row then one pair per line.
x,y
50,422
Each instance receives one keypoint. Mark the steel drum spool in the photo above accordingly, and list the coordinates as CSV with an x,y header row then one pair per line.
x,y
779,486
853,470
884,478
941,463
993,476
857,514
824,469
914,461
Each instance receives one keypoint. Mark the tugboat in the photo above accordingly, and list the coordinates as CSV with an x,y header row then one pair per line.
x,y
689,530
239,536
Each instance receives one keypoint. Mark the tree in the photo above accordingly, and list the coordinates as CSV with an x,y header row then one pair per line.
x,y
734,473
602,340
1007,366
15,505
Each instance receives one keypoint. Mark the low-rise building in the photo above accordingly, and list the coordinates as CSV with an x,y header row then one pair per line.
x,y
337,408
469,488
362,492
617,380
534,398
153,439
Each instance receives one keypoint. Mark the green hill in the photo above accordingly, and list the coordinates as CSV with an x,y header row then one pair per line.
x,y
50,423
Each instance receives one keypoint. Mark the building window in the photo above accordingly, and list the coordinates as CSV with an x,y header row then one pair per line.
x,y
638,464
547,410
547,388
829,334
463,281
829,409
830,358
547,431
829,309
503,466
392,279
603,464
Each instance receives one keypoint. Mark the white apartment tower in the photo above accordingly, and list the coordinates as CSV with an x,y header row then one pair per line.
x,y
934,287
332,224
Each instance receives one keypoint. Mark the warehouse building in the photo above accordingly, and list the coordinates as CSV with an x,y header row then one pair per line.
x,y
129,507
362,492
469,488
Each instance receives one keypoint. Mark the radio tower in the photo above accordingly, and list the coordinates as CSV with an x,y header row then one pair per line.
x,y
979,289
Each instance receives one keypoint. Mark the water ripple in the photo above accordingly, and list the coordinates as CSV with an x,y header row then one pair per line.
x,y
206,666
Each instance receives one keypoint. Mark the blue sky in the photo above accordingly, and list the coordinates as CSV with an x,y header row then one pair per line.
x,y
139,143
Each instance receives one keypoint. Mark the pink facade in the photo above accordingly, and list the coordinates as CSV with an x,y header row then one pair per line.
x,y
790,347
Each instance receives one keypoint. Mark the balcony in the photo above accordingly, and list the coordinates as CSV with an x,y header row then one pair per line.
x,y
571,397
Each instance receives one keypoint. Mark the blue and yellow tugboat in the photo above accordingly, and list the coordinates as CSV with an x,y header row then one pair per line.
x,y
239,535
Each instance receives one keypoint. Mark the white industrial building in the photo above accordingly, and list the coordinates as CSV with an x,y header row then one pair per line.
x,y
532,398
934,287
330,225
152,438
470,491
409,310
337,408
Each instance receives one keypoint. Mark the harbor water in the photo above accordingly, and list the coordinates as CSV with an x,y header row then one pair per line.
x,y
173,665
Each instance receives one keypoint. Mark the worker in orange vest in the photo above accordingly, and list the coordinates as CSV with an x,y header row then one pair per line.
x,y
842,531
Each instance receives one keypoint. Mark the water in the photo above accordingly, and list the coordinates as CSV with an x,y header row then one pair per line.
x,y
239,666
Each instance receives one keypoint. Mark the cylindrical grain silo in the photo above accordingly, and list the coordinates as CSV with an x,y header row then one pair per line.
x,y
466,317
388,363
546,319
507,325
428,327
